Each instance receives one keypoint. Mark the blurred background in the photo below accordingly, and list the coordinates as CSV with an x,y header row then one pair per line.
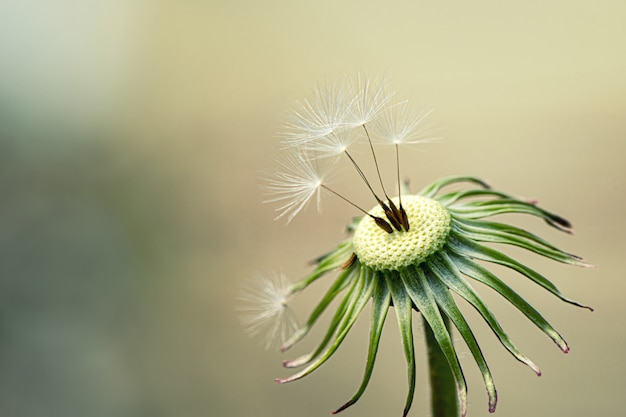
x,y
132,135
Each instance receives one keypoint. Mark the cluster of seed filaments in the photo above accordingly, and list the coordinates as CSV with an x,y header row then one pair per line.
x,y
430,226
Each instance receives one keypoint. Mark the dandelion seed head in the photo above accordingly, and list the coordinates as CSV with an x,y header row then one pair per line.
x,y
264,309
430,225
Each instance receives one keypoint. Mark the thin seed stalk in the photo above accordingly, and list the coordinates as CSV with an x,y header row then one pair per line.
x,y
443,393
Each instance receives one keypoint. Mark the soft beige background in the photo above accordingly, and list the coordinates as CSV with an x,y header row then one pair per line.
x,y
131,138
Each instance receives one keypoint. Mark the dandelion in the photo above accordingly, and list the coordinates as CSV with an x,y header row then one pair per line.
x,y
416,253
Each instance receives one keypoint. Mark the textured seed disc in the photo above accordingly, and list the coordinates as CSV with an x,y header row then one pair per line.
x,y
429,228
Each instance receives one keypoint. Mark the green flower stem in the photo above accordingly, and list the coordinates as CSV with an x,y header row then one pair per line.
x,y
443,388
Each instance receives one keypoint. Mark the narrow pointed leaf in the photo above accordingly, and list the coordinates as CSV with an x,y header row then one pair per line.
x,y
339,285
481,274
418,289
358,302
332,327
381,301
404,313
447,304
452,198
510,230
329,262
486,235
447,272
434,188
480,209
466,247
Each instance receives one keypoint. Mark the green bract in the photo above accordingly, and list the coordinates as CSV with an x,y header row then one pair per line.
x,y
420,270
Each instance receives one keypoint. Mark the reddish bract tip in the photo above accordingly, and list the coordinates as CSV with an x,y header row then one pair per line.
x,y
289,364
493,401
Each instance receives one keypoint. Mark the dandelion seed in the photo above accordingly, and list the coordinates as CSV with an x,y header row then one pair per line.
x,y
300,179
333,144
296,181
265,309
370,98
399,124
318,117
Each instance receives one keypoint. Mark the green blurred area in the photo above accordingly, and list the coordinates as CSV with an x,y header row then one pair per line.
x,y
132,135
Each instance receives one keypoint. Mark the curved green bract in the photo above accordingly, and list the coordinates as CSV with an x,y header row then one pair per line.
x,y
401,297
447,305
419,291
381,300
